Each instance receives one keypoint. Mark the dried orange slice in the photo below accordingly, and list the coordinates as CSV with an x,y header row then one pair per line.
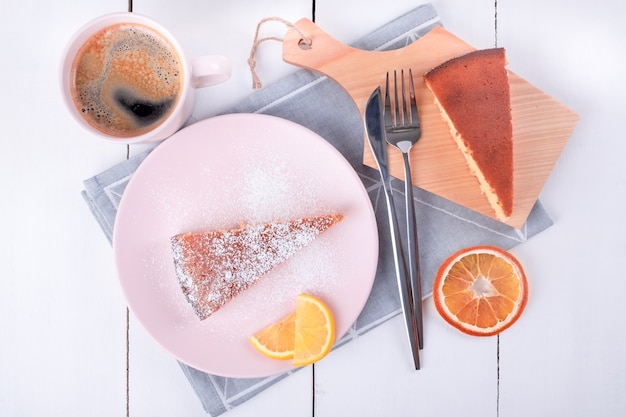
x,y
481,290
306,335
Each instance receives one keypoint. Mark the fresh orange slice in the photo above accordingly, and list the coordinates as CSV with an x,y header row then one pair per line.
x,y
481,290
276,341
315,330
306,335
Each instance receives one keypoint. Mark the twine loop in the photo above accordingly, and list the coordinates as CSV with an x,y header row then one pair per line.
x,y
304,43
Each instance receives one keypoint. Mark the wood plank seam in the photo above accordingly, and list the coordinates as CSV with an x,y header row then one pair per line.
x,y
495,25
495,40
498,376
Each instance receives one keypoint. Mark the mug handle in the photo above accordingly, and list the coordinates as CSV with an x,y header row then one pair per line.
x,y
208,70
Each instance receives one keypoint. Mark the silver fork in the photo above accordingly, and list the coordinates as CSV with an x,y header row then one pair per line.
x,y
402,127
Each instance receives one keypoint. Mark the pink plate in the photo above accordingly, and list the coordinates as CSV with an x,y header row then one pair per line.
x,y
219,173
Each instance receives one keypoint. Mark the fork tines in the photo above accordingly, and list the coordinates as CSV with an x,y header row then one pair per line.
x,y
402,111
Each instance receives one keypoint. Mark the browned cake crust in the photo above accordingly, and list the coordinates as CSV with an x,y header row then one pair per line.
x,y
472,92
213,267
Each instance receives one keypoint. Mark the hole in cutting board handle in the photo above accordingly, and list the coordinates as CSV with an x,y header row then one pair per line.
x,y
305,44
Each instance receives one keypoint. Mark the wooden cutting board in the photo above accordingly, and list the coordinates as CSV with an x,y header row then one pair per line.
x,y
541,125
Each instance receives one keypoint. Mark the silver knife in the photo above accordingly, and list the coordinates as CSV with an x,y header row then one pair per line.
x,y
374,126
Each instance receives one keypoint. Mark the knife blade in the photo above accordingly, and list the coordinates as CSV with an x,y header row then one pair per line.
x,y
374,126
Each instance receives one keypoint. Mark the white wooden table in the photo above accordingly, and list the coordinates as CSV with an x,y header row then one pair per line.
x,y
68,346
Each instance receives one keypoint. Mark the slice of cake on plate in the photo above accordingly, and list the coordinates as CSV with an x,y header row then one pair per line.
x,y
472,92
215,266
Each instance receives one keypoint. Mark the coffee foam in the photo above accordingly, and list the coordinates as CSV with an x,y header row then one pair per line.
x,y
126,79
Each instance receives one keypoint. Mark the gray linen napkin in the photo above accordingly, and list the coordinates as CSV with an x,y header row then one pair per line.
x,y
444,227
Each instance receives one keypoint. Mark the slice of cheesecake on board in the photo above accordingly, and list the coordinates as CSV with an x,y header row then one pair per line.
x,y
472,93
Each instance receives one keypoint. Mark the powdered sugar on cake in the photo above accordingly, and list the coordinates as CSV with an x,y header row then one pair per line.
x,y
215,266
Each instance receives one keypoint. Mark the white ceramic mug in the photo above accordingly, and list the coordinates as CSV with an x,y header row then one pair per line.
x,y
146,111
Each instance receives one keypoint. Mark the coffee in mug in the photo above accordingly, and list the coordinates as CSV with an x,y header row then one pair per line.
x,y
126,79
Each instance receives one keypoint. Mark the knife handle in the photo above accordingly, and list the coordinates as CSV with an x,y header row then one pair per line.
x,y
404,283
